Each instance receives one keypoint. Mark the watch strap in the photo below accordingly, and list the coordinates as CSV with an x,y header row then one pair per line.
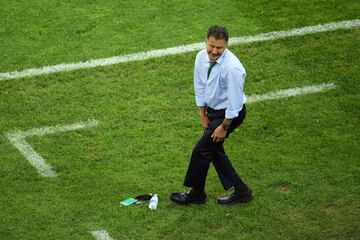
x,y
225,126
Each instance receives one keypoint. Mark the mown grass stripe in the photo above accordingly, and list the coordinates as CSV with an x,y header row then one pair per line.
x,y
18,138
66,67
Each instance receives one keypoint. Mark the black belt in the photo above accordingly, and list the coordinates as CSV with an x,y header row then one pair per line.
x,y
211,110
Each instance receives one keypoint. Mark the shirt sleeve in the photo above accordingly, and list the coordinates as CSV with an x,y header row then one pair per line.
x,y
199,86
236,79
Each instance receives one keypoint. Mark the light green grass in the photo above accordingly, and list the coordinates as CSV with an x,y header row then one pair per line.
x,y
299,155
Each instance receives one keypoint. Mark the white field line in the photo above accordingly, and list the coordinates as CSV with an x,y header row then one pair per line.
x,y
290,92
66,67
101,235
18,138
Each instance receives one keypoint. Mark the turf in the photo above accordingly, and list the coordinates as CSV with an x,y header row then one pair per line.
x,y
299,155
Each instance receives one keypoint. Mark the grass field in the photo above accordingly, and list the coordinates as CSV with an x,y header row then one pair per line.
x,y
300,155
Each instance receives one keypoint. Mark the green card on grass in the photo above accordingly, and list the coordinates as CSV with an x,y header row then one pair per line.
x,y
128,201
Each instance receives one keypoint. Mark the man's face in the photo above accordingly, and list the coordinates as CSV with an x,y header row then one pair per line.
x,y
215,47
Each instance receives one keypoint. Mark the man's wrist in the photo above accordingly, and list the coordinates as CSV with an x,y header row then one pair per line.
x,y
202,111
227,120
225,126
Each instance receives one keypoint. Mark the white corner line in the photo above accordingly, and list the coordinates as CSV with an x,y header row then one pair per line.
x,y
18,139
290,92
66,67
101,235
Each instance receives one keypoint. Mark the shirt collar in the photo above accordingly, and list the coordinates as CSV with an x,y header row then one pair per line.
x,y
220,59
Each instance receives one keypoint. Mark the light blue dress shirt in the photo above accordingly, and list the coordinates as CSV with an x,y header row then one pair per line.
x,y
224,89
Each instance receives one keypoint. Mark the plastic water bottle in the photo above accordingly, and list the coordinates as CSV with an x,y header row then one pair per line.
x,y
154,202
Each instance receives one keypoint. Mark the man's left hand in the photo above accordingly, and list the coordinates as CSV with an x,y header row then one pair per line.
x,y
219,134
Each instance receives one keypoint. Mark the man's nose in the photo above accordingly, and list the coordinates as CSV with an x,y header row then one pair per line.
x,y
214,51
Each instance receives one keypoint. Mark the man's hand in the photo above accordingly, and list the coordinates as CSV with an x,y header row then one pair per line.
x,y
219,134
203,118
204,122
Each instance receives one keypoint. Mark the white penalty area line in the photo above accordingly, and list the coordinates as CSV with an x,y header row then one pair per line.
x,y
18,138
290,92
101,235
66,67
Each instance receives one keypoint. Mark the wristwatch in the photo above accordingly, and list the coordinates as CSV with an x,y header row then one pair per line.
x,y
225,126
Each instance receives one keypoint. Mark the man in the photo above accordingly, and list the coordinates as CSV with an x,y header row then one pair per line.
x,y
219,92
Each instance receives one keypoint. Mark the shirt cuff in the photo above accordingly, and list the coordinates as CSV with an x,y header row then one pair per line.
x,y
200,102
231,114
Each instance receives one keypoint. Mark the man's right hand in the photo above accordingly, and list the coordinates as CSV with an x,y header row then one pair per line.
x,y
203,118
204,122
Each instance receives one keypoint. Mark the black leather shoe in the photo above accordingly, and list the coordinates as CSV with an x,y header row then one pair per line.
x,y
188,198
236,197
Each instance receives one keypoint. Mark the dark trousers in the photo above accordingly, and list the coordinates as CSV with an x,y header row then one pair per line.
x,y
206,151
